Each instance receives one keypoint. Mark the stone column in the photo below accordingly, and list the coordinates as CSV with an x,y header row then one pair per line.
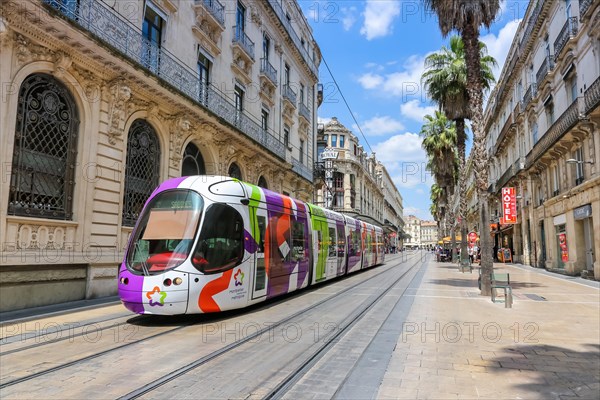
x,y
596,233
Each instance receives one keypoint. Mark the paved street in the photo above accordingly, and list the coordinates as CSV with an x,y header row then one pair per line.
x,y
456,344
431,337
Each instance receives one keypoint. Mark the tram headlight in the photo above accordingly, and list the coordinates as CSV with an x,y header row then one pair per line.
x,y
167,282
177,281
124,280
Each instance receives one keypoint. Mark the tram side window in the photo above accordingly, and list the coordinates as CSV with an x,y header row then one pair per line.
x,y
298,242
341,243
220,245
262,229
332,245
356,243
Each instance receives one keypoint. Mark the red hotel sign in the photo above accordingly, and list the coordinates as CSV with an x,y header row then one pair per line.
x,y
509,205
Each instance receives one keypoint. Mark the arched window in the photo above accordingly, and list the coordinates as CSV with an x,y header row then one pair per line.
x,y
45,152
192,162
262,182
141,170
235,171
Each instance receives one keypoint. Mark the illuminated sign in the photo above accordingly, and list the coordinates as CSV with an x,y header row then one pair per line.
x,y
509,205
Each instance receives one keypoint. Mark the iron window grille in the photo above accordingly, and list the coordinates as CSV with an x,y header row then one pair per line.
x,y
45,150
141,170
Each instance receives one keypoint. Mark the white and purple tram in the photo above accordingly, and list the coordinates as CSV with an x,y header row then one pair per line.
x,y
211,243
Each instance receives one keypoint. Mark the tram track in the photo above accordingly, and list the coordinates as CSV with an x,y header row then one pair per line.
x,y
209,357
300,371
190,366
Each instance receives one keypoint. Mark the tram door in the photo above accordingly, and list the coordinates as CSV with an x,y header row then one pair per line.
x,y
320,249
259,288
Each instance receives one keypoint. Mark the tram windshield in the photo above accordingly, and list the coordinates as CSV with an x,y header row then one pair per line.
x,y
165,233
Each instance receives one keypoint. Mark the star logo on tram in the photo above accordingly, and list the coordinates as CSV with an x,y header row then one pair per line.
x,y
239,278
156,297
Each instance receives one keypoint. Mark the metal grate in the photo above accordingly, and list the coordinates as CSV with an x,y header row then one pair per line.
x,y
141,170
45,151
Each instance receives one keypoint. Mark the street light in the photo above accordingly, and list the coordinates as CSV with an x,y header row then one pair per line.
x,y
574,161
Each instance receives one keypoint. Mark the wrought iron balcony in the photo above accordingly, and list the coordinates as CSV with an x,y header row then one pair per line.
x,y
215,8
95,17
584,6
545,68
304,111
240,38
592,96
528,96
295,39
504,133
302,169
531,24
268,70
563,124
568,31
289,94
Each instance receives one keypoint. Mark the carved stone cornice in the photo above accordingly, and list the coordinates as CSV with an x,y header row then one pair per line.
x,y
27,51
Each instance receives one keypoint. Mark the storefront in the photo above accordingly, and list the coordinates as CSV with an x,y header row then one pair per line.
x,y
562,245
584,234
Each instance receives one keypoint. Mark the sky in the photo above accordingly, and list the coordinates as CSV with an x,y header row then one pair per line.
x,y
375,51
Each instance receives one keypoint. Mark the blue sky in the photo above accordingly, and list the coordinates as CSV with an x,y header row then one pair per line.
x,y
375,50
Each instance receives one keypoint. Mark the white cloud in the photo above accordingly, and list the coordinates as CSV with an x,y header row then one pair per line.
x,y
348,17
370,81
418,212
323,120
378,126
405,82
498,46
412,109
379,16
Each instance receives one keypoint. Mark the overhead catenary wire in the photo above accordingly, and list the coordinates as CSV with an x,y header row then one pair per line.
x,y
346,103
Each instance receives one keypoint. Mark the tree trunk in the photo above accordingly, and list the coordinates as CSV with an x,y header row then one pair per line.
x,y
462,189
470,37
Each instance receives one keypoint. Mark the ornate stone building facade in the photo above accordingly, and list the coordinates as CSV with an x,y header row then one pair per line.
x,y
359,184
413,229
543,125
103,99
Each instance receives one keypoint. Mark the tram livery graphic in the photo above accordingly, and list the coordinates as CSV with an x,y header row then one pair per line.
x,y
210,243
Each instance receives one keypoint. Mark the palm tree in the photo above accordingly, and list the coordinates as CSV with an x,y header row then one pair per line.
x,y
439,142
466,16
445,78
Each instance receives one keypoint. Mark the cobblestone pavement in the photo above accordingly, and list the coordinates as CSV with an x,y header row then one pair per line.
x,y
456,344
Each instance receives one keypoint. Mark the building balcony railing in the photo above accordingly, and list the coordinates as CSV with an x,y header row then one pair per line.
x,y
568,31
304,111
503,133
310,62
268,70
584,6
302,169
529,93
592,96
289,94
118,35
215,8
531,24
243,41
563,124
545,68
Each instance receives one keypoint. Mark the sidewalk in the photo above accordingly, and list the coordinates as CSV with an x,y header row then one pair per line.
x,y
456,344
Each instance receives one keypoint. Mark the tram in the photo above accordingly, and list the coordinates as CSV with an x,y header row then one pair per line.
x,y
205,244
